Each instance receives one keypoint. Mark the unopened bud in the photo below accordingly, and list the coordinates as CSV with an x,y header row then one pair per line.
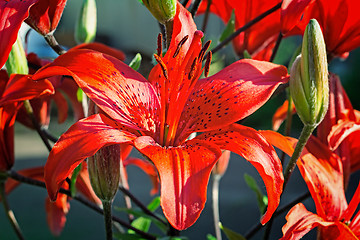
x,y
222,163
17,62
162,10
85,30
104,171
104,167
309,85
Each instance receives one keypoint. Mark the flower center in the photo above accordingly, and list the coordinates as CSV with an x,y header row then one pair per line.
x,y
175,79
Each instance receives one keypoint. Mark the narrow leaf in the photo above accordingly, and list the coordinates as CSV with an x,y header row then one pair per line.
x,y
229,29
230,234
135,62
261,198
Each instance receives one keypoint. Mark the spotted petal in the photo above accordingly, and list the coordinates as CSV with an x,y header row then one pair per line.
x,y
83,139
251,145
117,89
184,174
230,95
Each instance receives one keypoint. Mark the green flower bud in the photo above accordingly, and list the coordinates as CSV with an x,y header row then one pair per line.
x,y
17,62
162,10
85,30
104,171
104,167
309,85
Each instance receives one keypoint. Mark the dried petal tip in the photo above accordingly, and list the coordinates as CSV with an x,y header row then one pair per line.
x,y
162,10
309,85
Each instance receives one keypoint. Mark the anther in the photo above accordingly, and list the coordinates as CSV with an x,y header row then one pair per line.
x,y
162,65
207,63
181,43
159,43
203,50
192,69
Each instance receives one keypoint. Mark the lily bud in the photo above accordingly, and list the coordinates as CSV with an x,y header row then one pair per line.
x,y
17,62
85,30
222,163
104,167
162,10
309,85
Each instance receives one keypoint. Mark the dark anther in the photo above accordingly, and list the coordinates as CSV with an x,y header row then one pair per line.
x,y
159,43
192,69
207,63
162,65
203,50
180,45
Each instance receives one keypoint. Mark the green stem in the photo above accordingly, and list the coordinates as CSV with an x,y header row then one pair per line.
x,y
288,123
304,136
215,204
195,7
206,16
276,48
51,40
9,213
30,112
108,219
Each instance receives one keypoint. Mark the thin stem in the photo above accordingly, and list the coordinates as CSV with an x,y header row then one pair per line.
x,y
9,213
107,219
125,185
36,124
206,16
276,48
49,135
245,27
281,210
14,175
51,40
195,7
215,204
185,3
140,205
304,136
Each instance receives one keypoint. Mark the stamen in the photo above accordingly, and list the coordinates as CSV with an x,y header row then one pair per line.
x,y
192,69
162,65
159,43
181,43
203,50
207,63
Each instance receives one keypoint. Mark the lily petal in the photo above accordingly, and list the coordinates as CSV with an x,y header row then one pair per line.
x,y
117,89
321,170
281,114
244,85
341,131
83,139
102,48
22,87
12,14
300,221
252,146
184,174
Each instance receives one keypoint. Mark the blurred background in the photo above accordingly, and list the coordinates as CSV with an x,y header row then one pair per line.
x,y
128,26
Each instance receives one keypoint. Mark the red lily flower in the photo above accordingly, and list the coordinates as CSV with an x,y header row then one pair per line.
x,y
9,110
323,174
41,15
57,211
281,114
260,38
339,21
340,129
158,115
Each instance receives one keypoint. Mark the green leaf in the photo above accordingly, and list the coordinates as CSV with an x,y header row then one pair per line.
x,y
246,54
230,234
127,236
261,198
173,238
79,94
73,179
210,237
135,62
229,29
